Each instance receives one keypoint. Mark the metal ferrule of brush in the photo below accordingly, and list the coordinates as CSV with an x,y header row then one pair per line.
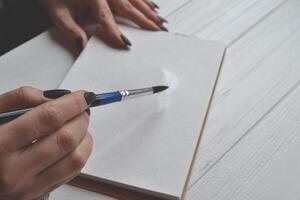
x,y
130,94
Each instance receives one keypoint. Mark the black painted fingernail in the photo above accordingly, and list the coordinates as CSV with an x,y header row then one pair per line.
x,y
125,40
54,94
90,97
88,111
161,19
163,28
79,44
155,5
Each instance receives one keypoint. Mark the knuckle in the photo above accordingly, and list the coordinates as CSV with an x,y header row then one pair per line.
x,y
105,15
74,30
59,14
65,141
50,115
127,7
23,93
77,161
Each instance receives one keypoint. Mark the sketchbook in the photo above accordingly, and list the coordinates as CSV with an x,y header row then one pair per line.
x,y
144,148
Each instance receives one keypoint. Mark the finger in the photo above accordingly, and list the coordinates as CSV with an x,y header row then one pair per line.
x,y
151,5
152,15
57,145
104,16
45,119
66,168
20,98
154,4
26,97
147,11
127,10
64,21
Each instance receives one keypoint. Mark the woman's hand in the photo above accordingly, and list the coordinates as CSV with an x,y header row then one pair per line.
x,y
45,147
68,14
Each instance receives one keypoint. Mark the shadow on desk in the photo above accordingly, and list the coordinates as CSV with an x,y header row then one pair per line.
x,y
19,22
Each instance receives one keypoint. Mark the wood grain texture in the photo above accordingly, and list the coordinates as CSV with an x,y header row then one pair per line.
x,y
264,164
254,77
222,20
261,69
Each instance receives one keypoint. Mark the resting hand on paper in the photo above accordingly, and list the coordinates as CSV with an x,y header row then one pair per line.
x,y
29,169
69,14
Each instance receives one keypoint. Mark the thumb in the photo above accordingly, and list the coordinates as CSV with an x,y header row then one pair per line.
x,y
26,97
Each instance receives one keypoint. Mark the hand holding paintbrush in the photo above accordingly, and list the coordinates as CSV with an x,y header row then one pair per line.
x,y
45,141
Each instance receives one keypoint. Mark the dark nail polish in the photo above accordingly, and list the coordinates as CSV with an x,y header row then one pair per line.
x,y
163,28
155,5
125,40
79,44
90,97
88,111
54,94
161,19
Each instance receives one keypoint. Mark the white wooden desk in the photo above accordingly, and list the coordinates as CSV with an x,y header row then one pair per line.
x,y
250,148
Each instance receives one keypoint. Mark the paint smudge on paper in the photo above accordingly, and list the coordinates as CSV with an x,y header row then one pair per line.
x,y
170,80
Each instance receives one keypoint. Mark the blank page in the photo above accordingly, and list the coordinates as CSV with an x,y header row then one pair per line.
x,y
149,142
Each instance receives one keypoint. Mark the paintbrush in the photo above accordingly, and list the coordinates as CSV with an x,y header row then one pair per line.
x,y
101,99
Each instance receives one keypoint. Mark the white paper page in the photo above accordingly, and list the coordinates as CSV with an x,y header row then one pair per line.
x,y
148,142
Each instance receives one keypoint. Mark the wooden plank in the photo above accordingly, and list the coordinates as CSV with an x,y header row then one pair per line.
x,y
247,54
168,7
221,20
279,179
237,94
268,59
265,163
239,20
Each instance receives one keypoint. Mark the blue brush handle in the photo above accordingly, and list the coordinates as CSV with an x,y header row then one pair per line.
x,y
107,98
101,99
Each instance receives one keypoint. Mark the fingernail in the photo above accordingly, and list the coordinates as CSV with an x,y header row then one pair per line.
x,y
90,97
54,94
88,111
155,5
125,40
79,44
163,28
163,20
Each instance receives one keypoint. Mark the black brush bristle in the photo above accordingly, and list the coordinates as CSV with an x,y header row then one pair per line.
x,y
157,89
